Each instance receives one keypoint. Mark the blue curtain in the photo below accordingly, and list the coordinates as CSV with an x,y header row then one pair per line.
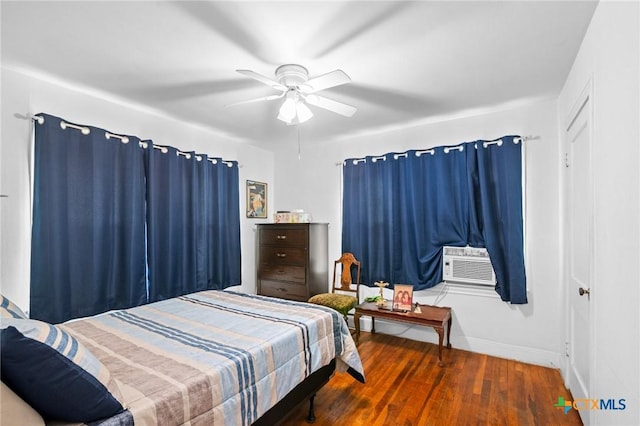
x,y
221,193
495,181
88,249
116,225
399,210
193,223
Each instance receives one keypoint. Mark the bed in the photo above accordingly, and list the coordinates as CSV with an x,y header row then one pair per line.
x,y
213,357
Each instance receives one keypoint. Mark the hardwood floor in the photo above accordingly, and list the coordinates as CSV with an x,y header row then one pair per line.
x,y
405,386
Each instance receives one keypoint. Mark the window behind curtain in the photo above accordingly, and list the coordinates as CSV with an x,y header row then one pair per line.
x,y
97,200
88,242
399,210
193,223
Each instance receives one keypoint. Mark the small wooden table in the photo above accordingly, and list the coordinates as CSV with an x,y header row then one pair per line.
x,y
431,316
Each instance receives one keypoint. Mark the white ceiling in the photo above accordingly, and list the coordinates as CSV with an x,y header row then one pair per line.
x,y
410,62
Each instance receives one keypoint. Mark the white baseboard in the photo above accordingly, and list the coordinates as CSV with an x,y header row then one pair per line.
x,y
498,349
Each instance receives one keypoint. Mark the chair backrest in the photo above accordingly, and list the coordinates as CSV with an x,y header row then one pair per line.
x,y
346,282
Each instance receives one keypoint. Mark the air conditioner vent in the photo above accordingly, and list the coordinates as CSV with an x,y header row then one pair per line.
x,y
467,265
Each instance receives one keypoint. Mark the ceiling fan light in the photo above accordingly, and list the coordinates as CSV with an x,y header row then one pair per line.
x,y
287,110
285,119
304,113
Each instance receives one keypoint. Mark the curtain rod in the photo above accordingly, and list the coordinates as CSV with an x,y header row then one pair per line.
x,y
198,157
447,149
85,130
125,139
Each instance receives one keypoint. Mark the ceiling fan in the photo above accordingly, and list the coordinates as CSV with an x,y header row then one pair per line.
x,y
298,90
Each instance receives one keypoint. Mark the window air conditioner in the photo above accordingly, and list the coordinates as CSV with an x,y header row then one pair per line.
x,y
467,265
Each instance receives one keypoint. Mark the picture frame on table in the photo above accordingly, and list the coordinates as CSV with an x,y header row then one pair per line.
x,y
402,297
256,199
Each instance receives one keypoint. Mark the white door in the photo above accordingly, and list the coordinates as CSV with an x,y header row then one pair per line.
x,y
579,252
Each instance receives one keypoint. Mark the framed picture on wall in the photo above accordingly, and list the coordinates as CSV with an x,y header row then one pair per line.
x,y
402,297
256,199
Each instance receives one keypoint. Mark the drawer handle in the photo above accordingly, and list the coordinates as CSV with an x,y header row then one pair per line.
x,y
281,254
281,237
280,272
282,289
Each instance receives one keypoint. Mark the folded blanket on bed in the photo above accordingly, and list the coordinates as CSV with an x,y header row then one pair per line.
x,y
218,356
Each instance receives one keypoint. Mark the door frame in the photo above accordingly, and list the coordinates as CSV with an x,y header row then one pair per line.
x,y
584,99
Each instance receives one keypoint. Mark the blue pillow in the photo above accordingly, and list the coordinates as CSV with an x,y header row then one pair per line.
x,y
54,373
8,309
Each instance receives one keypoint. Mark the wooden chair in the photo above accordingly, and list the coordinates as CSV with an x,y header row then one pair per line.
x,y
342,303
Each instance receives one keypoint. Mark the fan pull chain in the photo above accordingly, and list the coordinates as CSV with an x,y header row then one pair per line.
x,y
298,132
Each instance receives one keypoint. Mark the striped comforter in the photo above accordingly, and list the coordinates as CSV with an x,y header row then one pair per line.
x,y
214,357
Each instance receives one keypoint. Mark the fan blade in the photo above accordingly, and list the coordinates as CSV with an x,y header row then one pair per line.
x,y
331,105
325,81
262,79
250,101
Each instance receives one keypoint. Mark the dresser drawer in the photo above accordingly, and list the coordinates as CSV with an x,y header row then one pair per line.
x,y
282,273
284,290
283,237
284,255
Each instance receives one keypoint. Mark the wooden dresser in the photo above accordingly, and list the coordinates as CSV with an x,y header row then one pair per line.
x,y
292,260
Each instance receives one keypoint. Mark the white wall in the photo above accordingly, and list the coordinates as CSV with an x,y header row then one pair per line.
x,y
482,323
610,57
24,94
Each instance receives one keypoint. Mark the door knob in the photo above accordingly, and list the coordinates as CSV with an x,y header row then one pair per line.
x,y
583,291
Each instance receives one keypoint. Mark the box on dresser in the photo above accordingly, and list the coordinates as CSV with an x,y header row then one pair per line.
x,y
292,260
